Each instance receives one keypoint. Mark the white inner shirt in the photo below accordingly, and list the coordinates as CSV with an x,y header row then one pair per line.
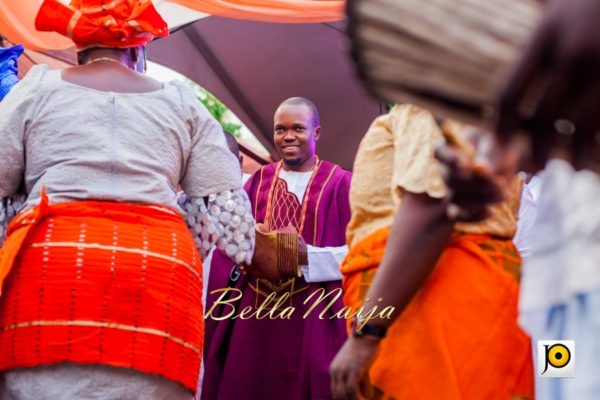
x,y
297,182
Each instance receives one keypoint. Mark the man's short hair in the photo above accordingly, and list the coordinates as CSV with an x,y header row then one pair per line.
x,y
302,101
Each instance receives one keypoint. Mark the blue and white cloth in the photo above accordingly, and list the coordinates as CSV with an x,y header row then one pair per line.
x,y
8,68
560,285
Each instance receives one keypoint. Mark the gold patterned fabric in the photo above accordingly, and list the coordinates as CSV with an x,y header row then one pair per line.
x,y
397,155
286,208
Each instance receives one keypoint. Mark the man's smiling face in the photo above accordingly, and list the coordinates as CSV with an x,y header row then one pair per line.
x,y
295,136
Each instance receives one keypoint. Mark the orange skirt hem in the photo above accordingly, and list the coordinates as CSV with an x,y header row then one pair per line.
x,y
102,283
458,338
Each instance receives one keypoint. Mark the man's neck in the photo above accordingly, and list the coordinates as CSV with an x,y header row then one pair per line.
x,y
306,166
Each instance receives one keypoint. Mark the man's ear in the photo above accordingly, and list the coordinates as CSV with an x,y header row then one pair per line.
x,y
317,133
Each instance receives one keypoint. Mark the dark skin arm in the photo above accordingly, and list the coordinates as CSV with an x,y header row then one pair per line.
x,y
419,234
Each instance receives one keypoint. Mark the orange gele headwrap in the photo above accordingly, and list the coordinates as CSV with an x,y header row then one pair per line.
x,y
103,23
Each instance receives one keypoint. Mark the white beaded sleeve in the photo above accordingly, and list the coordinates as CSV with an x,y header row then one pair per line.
x,y
9,207
223,219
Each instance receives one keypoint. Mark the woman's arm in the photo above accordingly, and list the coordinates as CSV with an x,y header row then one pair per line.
x,y
9,207
217,208
419,234
223,220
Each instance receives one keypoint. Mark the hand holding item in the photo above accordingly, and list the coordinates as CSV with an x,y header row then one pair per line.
x,y
277,253
302,255
476,170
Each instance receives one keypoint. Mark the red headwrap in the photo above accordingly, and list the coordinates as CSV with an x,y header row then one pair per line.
x,y
103,23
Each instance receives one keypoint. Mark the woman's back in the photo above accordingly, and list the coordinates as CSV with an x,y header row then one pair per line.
x,y
118,282
84,143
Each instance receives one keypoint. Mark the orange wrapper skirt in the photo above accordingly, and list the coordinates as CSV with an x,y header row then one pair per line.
x,y
102,283
458,338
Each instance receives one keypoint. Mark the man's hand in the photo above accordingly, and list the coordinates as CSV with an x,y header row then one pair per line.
x,y
349,364
265,260
302,251
554,92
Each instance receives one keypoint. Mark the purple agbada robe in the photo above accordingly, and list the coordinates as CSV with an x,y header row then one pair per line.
x,y
279,358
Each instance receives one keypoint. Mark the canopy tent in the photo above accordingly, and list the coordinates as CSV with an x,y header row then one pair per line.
x,y
17,17
252,66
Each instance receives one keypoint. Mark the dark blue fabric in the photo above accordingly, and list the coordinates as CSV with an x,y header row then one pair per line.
x,y
8,68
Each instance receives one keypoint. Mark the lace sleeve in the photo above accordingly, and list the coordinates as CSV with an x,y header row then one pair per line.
x,y
223,219
9,207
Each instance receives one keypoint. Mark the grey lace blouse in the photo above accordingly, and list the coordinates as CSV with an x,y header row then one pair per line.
x,y
84,144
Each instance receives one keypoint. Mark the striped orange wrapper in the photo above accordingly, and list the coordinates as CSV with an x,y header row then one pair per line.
x,y
104,283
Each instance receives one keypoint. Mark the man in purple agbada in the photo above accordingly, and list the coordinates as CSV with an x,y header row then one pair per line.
x,y
281,358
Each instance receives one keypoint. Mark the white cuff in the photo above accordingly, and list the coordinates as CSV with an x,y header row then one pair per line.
x,y
323,263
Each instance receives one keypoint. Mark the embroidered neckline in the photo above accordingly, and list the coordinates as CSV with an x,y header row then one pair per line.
x,y
268,217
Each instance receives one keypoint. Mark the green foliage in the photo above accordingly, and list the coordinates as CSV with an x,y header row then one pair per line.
x,y
217,109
